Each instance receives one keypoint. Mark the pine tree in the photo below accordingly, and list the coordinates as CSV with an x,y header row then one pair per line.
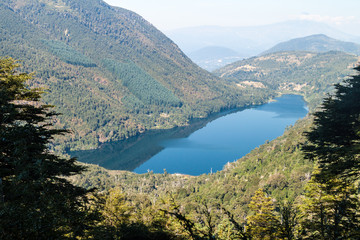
x,y
331,202
37,202
334,141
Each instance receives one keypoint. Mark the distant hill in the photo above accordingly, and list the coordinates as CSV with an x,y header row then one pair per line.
x,y
252,40
213,52
213,57
109,71
308,73
316,43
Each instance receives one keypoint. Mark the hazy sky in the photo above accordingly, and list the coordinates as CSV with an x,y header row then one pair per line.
x,y
172,14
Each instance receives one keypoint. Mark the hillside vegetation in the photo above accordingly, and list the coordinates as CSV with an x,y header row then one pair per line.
x,y
315,43
109,72
307,73
113,76
273,191
222,203
277,166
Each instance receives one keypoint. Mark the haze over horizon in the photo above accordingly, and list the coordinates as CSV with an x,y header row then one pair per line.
x,y
169,15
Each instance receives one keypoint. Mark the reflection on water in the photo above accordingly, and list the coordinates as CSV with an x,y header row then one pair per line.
x,y
287,106
207,145
132,152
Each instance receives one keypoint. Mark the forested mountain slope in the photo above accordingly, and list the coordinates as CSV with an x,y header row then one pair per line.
x,y
279,167
315,43
307,73
109,71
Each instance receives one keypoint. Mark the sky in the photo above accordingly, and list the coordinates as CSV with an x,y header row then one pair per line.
x,y
173,14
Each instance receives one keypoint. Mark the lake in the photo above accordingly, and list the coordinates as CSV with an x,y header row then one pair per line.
x,y
203,147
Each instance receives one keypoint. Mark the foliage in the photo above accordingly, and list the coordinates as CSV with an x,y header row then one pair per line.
x,y
100,108
189,226
334,139
288,213
36,202
68,54
330,211
141,84
64,43
331,202
126,218
278,167
263,224
306,73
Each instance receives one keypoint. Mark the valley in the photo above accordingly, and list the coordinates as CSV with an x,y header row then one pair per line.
x,y
110,129
128,76
203,147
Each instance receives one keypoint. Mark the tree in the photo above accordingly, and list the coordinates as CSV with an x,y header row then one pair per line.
x,y
263,224
187,225
329,211
129,217
334,141
331,201
234,230
288,221
37,201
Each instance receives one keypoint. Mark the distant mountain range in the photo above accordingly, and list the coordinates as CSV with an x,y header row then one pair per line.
x,y
251,41
316,43
213,57
214,52
109,71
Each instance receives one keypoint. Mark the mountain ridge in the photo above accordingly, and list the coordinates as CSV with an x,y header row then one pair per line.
x,y
310,74
251,41
315,43
213,57
94,58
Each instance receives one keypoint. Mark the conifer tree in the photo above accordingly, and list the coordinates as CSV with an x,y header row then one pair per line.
x,y
331,200
334,141
288,215
37,202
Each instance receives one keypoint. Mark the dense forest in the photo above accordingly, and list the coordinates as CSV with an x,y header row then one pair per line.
x,y
109,72
90,73
103,55
303,185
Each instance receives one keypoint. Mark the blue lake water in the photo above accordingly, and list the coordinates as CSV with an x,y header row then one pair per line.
x,y
227,138
204,148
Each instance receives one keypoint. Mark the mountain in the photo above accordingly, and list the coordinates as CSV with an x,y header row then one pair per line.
x,y
316,43
307,73
213,57
278,166
251,41
109,72
213,52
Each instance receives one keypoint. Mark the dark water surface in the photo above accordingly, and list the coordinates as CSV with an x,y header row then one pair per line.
x,y
205,146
